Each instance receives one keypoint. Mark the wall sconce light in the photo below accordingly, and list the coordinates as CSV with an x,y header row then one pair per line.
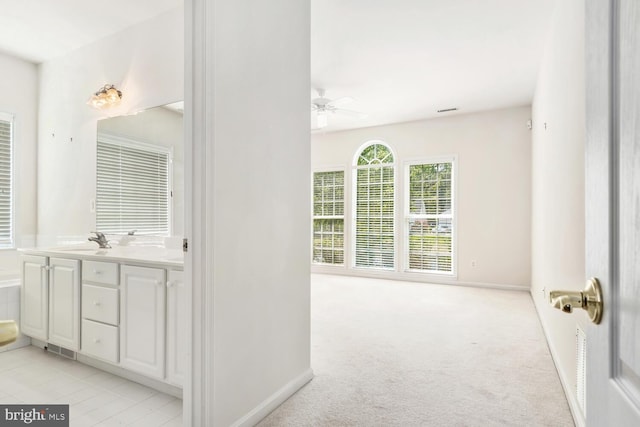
x,y
105,97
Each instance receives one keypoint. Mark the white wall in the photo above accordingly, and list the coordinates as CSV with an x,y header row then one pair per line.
x,y
161,127
557,228
146,62
493,186
19,96
257,196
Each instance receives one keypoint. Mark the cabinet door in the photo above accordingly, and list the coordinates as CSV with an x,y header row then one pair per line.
x,y
142,320
176,328
34,297
64,303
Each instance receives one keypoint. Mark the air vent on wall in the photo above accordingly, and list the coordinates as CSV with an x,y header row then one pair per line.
x,y
446,110
52,348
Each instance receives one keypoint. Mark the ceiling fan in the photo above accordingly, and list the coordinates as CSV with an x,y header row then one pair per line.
x,y
325,106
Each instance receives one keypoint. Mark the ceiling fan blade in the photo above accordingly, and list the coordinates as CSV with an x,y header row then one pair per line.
x,y
341,101
350,113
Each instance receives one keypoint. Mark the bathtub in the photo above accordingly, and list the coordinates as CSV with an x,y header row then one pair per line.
x,y
10,307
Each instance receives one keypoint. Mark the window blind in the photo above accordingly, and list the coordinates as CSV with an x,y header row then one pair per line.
x,y
374,216
6,211
328,218
430,217
132,188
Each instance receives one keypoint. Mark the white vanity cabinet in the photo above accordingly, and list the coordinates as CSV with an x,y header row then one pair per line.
x,y
177,316
64,303
120,314
50,300
142,320
100,310
34,297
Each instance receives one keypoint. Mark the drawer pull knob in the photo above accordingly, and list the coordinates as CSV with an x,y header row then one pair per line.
x,y
96,303
97,272
96,340
169,284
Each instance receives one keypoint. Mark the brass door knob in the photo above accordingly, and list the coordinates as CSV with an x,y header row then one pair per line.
x,y
590,299
8,332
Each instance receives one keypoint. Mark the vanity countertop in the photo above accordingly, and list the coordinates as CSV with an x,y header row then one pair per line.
x,y
121,254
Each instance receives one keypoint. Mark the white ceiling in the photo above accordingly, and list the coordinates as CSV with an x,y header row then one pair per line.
x,y
38,30
401,60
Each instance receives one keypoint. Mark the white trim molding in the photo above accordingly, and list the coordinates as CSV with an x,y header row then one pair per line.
x,y
427,279
273,401
198,130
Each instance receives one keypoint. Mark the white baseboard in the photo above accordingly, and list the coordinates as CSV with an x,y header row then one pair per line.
x,y
131,376
121,372
273,401
10,279
574,406
416,277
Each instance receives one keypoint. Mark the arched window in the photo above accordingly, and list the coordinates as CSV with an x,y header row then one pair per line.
x,y
374,207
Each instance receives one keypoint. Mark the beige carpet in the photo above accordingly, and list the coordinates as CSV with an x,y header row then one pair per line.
x,y
388,353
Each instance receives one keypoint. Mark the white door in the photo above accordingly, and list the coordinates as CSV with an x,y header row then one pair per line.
x,y
613,209
176,328
64,303
34,297
142,320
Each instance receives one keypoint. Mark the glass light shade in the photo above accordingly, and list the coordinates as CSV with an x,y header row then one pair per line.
x,y
322,120
112,96
107,96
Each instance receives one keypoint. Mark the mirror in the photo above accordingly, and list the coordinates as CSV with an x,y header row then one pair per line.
x,y
140,172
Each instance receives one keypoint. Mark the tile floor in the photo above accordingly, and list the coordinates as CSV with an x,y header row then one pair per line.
x,y
96,398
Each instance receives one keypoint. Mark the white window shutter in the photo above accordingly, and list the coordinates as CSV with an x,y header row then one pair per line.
x,y
6,181
374,209
429,219
328,218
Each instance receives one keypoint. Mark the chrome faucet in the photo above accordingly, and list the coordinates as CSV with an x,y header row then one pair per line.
x,y
100,239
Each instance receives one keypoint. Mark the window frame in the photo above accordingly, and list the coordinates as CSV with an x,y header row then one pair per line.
x,y
453,159
345,246
354,208
11,244
141,145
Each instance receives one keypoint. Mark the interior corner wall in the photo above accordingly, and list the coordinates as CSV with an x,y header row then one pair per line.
x,y
19,97
259,173
558,219
493,189
145,61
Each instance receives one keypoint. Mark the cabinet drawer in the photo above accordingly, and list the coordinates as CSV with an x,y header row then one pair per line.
x,y
100,303
100,340
100,272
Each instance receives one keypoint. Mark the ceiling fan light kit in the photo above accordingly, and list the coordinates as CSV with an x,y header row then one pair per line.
x,y
325,106
322,120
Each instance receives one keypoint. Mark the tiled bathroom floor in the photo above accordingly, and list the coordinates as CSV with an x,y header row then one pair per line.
x,y
96,398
